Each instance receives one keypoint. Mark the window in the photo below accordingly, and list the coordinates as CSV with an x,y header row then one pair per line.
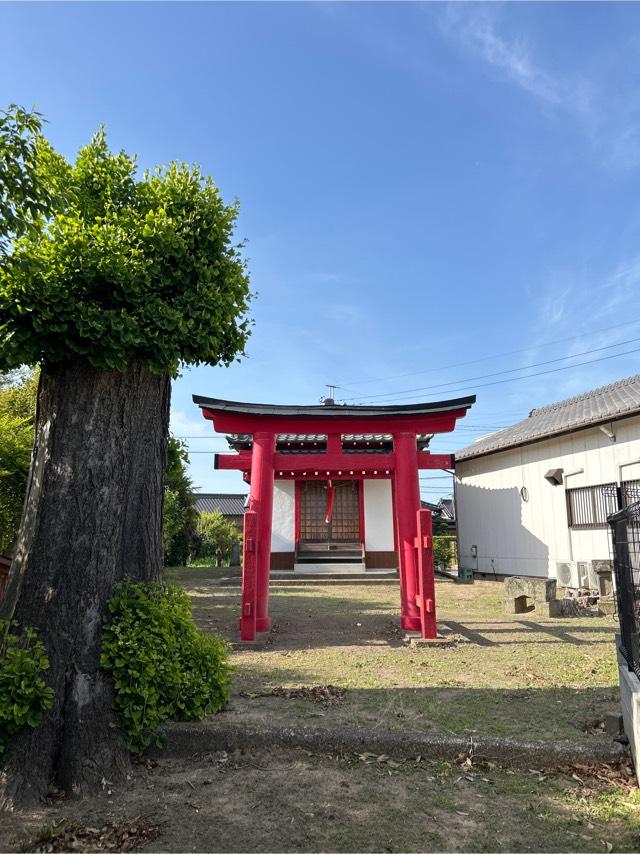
x,y
589,506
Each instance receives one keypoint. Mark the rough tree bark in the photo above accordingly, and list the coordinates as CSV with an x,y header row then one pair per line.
x,y
92,516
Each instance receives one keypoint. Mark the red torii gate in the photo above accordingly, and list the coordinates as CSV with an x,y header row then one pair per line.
x,y
263,422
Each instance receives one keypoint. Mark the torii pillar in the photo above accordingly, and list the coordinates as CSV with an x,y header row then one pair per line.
x,y
407,504
261,502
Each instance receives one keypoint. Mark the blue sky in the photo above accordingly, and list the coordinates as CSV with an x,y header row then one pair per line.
x,y
430,192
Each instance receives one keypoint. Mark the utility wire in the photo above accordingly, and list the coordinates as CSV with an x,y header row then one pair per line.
x,y
542,373
498,373
495,355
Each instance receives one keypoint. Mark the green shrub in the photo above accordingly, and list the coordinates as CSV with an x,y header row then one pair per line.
x,y
444,551
214,537
24,695
162,665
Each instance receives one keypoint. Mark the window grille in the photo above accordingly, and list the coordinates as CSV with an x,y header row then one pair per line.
x,y
589,506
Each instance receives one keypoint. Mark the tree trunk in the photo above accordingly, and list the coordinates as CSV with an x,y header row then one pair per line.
x,y
92,516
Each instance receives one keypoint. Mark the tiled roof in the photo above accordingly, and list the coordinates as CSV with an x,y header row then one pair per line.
x,y
305,440
599,406
229,504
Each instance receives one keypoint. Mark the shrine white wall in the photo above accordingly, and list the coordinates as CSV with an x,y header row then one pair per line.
x,y
378,516
283,519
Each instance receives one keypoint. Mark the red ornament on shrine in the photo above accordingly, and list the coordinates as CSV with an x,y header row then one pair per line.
x,y
333,453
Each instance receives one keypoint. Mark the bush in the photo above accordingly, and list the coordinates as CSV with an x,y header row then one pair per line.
x,y
24,695
162,665
444,551
214,537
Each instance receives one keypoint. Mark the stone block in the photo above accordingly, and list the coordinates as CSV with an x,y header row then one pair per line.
x,y
550,609
613,723
606,607
538,589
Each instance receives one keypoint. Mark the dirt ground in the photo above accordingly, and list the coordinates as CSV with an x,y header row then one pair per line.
x,y
291,800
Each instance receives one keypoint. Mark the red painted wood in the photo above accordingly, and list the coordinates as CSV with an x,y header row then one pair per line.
x,y
332,462
407,491
341,464
426,597
334,443
249,577
235,422
395,518
426,460
233,462
261,501
361,509
298,489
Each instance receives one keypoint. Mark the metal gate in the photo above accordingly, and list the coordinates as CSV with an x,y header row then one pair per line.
x,y
625,539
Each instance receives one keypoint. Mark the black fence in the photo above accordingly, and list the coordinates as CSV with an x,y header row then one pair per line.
x,y
625,534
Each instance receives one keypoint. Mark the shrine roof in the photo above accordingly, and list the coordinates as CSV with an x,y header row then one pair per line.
x,y
360,440
334,410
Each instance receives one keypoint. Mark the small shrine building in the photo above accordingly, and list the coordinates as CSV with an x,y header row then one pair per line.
x,y
335,484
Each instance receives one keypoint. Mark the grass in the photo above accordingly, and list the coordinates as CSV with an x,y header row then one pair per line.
x,y
521,676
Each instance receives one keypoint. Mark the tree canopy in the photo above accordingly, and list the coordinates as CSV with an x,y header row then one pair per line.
x,y
124,269
179,512
30,174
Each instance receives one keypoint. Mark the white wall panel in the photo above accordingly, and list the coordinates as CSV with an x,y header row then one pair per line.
x,y
283,521
378,516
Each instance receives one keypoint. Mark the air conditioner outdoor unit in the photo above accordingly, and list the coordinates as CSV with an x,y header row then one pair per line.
x,y
588,575
577,575
567,574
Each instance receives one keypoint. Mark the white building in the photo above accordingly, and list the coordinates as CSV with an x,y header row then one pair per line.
x,y
533,499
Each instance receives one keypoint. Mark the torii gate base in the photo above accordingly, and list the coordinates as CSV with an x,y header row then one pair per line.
x,y
425,598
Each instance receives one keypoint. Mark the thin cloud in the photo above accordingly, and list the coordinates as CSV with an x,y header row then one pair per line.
x,y
182,424
476,30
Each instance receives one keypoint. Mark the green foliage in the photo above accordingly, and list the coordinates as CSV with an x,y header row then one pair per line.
x,y
179,511
163,667
17,413
444,551
24,694
31,175
214,537
125,268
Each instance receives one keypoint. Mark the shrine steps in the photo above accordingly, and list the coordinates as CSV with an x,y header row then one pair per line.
x,y
286,578
371,576
342,555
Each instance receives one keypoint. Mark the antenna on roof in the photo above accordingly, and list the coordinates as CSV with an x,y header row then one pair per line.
x,y
329,400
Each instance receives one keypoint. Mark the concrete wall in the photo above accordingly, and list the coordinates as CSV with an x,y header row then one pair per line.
x,y
283,521
630,702
378,516
517,537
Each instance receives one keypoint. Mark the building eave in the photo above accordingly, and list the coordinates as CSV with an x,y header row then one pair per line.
x,y
543,437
